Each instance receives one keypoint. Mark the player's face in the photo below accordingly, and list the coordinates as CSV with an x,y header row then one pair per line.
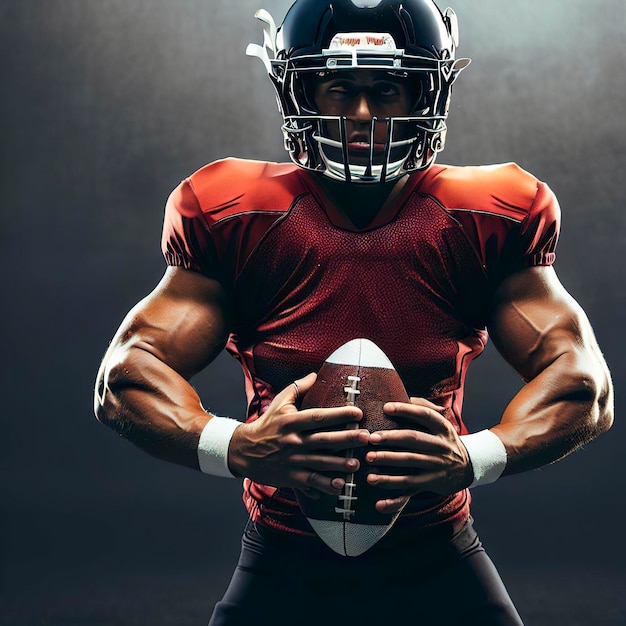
x,y
358,96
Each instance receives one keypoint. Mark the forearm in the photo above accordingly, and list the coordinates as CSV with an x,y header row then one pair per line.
x,y
150,404
566,405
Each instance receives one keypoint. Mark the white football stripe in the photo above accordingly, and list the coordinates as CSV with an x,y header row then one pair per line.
x,y
360,352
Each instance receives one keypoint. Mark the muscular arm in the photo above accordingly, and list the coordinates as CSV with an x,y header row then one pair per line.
x,y
142,388
568,398
143,393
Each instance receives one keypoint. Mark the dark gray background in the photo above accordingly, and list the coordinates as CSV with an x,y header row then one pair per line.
x,y
104,107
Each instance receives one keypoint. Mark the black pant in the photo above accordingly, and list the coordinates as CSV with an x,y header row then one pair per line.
x,y
436,580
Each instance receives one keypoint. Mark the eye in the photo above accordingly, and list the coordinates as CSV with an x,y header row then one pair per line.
x,y
339,88
387,90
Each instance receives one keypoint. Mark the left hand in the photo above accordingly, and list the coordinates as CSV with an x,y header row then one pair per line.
x,y
429,452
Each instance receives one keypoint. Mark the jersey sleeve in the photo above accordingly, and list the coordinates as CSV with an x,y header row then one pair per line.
x,y
534,242
511,218
186,240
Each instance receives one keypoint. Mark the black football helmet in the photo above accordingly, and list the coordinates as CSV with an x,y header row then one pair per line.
x,y
410,39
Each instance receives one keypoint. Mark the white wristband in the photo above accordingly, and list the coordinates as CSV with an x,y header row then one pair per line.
x,y
487,454
213,446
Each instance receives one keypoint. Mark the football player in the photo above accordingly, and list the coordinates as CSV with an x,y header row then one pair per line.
x,y
361,235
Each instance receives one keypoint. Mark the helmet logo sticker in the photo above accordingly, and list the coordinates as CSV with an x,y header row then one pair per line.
x,y
362,41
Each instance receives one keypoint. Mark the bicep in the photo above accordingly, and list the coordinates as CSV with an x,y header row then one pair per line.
x,y
184,322
535,321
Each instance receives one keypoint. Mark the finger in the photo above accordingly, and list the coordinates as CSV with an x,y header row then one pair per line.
x,y
336,440
315,494
425,416
293,392
306,479
389,482
302,385
404,481
296,390
326,463
403,459
407,439
319,418
391,505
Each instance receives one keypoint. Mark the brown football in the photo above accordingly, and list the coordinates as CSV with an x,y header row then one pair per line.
x,y
358,373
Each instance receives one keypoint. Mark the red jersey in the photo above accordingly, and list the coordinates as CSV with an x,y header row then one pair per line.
x,y
418,281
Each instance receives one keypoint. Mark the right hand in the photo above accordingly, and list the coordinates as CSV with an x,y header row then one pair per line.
x,y
286,447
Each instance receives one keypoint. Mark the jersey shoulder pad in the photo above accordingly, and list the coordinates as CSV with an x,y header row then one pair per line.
x,y
503,189
233,186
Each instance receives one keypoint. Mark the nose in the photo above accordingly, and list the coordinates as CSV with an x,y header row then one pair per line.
x,y
362,109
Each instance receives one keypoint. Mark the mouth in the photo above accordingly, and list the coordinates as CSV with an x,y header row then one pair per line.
x,y
361,147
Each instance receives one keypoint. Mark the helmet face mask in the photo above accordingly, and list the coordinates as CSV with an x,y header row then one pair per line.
x,y
338,160
408,41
